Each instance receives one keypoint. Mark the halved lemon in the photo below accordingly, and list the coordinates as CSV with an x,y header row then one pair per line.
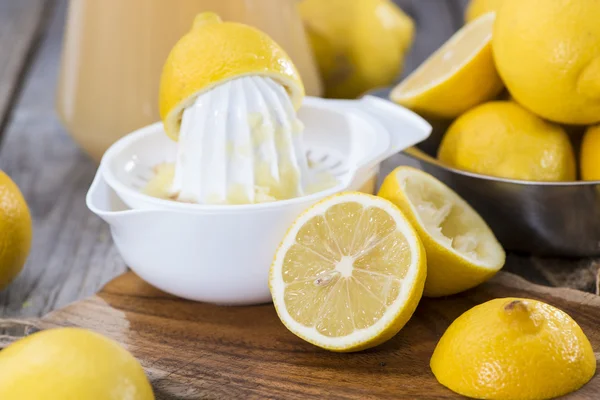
x,y
458,76
349,273
462,251
213,52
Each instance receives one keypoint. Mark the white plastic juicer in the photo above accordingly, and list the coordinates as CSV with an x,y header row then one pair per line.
x,y
222,253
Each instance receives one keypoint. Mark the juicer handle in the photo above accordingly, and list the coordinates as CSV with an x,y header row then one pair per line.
x,y
399,127
404,127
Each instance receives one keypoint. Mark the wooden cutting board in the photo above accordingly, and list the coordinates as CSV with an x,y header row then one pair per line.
x,y
194,350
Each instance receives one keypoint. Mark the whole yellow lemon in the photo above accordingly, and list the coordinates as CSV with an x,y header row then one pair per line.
x,y
359,45
590,154
70,364
511,348
548,55
503,139
477,8
15,230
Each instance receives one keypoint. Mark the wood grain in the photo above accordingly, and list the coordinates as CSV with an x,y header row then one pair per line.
x,y
21,23
193,350
72,254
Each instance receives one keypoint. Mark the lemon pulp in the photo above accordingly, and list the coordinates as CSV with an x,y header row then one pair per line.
x,y
462,251
349,273
357,259
448,222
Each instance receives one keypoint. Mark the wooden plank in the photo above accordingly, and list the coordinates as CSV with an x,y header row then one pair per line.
x,y
72,255
20,25
193,350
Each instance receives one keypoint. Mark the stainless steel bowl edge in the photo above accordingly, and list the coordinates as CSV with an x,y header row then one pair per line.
x,y
540,218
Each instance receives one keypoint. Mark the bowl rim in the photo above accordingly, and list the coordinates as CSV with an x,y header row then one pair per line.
x,y
163,204
170,205
383,93
519,182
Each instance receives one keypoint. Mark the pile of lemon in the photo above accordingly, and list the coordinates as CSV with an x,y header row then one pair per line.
x,y
547,55
352,269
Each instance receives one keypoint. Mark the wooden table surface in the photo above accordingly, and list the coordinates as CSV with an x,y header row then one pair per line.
x,y
72,254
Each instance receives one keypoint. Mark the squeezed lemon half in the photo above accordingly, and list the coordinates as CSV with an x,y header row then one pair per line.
x,y
462,251
349,273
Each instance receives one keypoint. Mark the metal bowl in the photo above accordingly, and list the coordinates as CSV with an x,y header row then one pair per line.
x,y
541,218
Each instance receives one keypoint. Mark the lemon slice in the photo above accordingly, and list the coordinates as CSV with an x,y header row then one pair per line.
x,y
458,76
349,273
462,251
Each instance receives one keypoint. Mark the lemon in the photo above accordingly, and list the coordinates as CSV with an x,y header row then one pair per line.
x,y
548,54
477,8
516,349
503,139
213,52
359,45
590,154
461,249
70,364
349,273
458,76
15,230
